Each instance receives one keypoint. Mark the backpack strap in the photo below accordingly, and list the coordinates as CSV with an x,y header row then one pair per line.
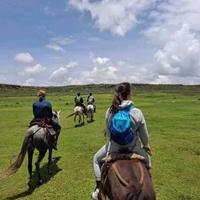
x,y
128,109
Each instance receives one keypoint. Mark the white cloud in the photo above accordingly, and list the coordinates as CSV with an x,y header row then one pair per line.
x,y
62,74
100,60
101,74
175,29
118,16
180,56
58,43
29,82
55,47
73,81
63,41
71,65
168,16
34,71
119,71
59,74
24,58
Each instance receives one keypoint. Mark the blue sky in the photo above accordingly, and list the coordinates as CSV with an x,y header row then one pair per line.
x,y
106,41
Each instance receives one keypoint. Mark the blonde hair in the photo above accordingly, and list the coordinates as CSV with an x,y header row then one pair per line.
x,y
41,93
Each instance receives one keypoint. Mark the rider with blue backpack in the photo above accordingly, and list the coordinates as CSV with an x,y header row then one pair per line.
x,y
126,129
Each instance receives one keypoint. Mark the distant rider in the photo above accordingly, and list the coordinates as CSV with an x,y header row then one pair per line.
x,y
91,100
42,111
78,100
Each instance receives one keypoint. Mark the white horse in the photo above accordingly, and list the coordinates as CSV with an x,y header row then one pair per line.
x,y
79,112
90,112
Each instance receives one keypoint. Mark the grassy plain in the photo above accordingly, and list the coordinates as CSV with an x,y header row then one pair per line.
x,y
172,117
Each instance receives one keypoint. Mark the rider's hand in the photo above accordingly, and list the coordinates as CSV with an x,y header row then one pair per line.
x,y
147,149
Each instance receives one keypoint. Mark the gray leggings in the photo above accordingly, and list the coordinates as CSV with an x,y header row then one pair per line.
x,y
112,147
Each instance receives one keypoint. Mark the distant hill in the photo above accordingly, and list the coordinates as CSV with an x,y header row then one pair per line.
x,y
17,90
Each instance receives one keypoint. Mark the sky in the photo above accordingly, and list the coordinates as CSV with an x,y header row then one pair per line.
x,y
69,42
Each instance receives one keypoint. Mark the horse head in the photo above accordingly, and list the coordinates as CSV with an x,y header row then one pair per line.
x,y
56,116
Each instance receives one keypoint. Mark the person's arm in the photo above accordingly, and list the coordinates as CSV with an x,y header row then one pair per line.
x,y
50,112
143,134
107,119
141,128
34,109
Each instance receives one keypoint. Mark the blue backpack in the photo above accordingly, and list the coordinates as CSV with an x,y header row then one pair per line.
x,y
121,131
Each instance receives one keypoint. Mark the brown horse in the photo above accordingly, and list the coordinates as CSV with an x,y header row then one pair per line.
x,y
125,177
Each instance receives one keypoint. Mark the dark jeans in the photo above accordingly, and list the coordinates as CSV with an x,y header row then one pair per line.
x,y
56,127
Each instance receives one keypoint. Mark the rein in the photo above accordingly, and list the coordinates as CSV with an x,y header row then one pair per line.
x,y
121,179
124,182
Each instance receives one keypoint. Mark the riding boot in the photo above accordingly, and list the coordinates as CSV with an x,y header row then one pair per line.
x,y
96,191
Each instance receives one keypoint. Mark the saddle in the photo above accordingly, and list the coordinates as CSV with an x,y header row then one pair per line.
x,y
122,156
43,124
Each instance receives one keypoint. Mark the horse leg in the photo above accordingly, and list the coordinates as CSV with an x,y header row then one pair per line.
x,y
83,118
30,159
79,118
37,164
49,160
92,116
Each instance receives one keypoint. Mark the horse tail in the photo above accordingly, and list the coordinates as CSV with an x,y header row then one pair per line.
x,y
70,114
17,164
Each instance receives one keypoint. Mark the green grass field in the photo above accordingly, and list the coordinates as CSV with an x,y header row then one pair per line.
x,y
173,124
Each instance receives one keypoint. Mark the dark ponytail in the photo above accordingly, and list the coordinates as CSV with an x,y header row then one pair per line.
x,y
121,92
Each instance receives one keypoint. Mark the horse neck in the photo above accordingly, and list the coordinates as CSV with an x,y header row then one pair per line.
x,y
56,120
118,175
